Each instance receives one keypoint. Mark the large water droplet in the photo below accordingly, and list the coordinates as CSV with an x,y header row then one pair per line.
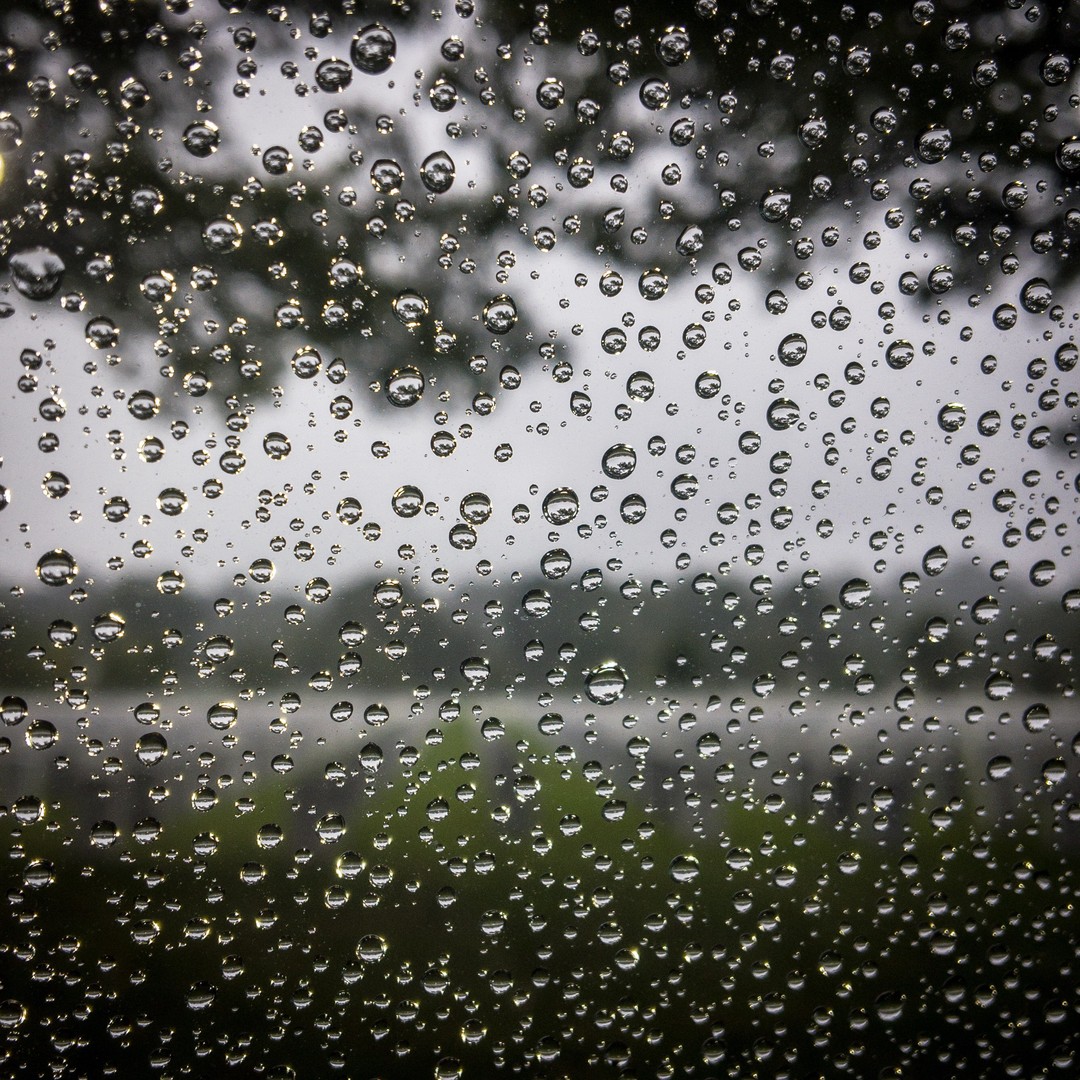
x,y
37,272
619,461
792,350
605,684
405,387
410,308
561,506
57,568
151,748
333,75
500,314
202,138
222,716
373,49
438,172
855,593
684,869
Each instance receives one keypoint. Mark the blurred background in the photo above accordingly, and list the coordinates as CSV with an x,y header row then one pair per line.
x,y
539,538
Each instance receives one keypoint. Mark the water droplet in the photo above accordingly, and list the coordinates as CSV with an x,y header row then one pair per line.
x,y
102,333
333,75
561,506
438,172
684,869
405,387
103,834
55,484
998,686
37,272
1037,718
387,176
222,716
739,859
782,414
373,49
792,350
605,684
551,93
940,280
619,461
171,502
476,670
1036,296
776,205
1042,573
306,362
899,354
934,144
500,314
170,583
652,284
475,508
261,571
407,501
640,386
202,138
109,627
1005,316
633,509
349,511
223,235
655,94
410,308
555,563
1067,155
277,160
151,748
330,828
536,603
673,46
684,486
855,593
57,568
935,561
276,445
952,417
12,1013
889,1006
813,132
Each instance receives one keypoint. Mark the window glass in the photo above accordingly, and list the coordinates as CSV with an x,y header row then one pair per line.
x,y
538,539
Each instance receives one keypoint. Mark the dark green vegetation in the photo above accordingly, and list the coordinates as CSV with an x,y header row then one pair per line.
x,y
527,918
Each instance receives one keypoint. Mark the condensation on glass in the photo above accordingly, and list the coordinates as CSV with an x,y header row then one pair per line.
x,y
538,540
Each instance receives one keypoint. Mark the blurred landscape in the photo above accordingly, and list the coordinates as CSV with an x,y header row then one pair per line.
x,y
539,539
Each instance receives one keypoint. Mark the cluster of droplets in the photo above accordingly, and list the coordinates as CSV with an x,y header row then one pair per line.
x,y
637,721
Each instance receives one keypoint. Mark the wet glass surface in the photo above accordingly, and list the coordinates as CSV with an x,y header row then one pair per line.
x,y
538,539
